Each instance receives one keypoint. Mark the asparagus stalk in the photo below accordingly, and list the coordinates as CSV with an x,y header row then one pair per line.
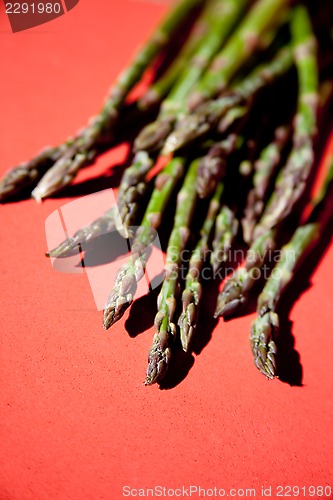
x,y
245,40
160,351
265,328
192,294
225,16
264,168
236,289
292,180
130,273
226,229
207,116
104,224
84,148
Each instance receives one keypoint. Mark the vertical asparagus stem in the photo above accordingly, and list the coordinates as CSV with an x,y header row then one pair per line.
x,y
192,294
160,351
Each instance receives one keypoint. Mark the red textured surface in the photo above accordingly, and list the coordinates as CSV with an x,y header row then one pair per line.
x,y
75,419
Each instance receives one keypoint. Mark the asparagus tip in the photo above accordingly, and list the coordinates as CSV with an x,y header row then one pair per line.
x,y
263,332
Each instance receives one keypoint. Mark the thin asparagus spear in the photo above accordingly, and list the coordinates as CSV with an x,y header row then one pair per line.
x,y
125,285
264,168
265,328
192,294
83,150
236,289
242,44
225,17
226,229
160,351
207,116
292,180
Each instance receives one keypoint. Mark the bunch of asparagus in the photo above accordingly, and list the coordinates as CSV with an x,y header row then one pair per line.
x,y
235,179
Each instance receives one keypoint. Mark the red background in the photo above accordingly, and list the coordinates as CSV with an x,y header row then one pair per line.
x,y
75,420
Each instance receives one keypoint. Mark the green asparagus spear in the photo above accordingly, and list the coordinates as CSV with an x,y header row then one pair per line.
x,y
125,286
160,351
292,180
207,116
83,149
236,289
225,17
265,328
264,169
192,294
242,44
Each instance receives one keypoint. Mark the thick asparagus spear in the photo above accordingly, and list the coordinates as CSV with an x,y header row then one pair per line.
x,y
207,116
245,40
225,17
226,229
125,285
192,294
83,149
160,351
265,328
292,180
264,169
236,289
